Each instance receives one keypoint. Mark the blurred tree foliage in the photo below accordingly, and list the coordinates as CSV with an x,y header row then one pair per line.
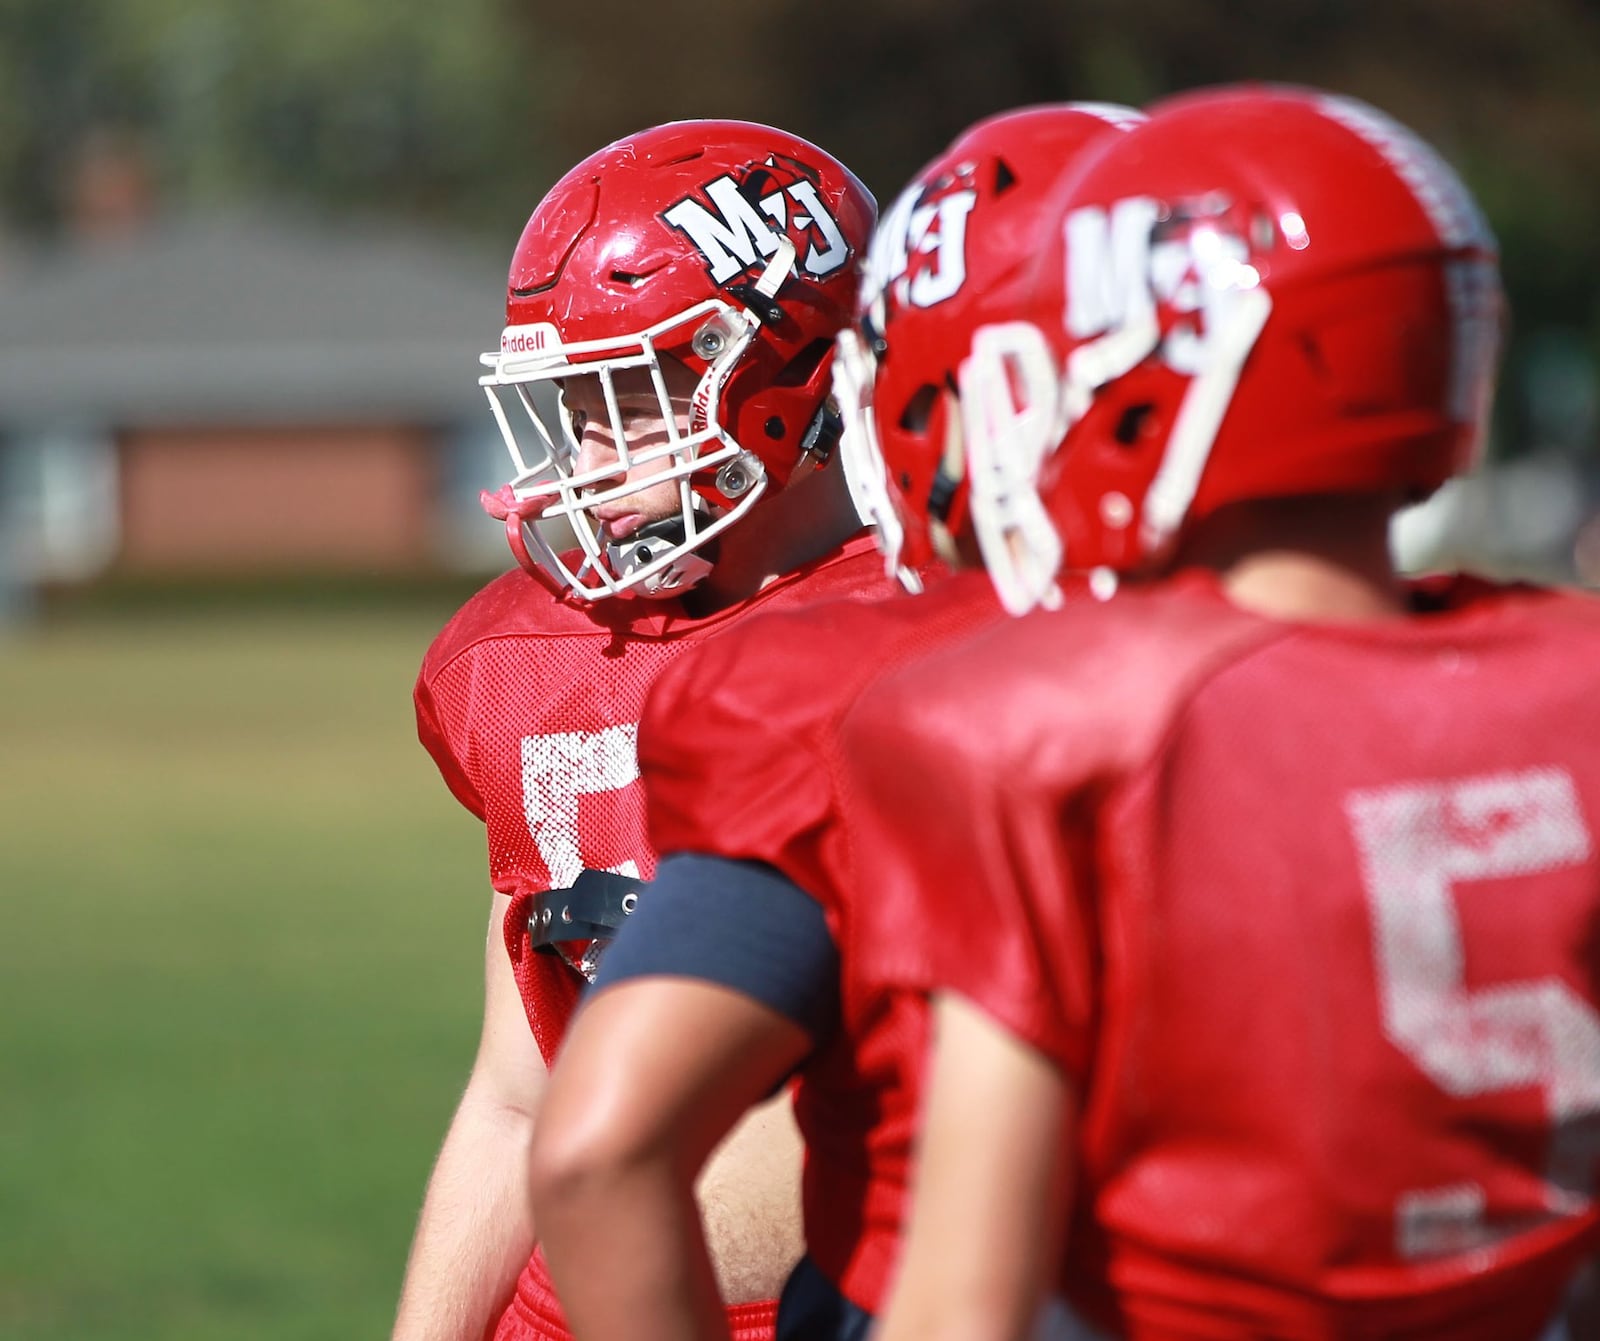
x,y
1509,92
467,112
405,107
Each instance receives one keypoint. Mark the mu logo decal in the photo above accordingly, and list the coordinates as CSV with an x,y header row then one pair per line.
x,y
735,222
919,253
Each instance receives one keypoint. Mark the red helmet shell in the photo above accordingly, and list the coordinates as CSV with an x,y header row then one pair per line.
x,y
1261,292
943,258
655,223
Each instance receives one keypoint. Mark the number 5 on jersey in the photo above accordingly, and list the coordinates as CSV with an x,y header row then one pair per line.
x,y
1418,842
560,767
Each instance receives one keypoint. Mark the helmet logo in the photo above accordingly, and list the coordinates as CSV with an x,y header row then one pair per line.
x,y
1173,281
920,249
735,228
1142,278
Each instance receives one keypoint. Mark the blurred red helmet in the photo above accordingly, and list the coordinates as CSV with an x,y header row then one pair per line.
x,y
941,261
1261,292
728,246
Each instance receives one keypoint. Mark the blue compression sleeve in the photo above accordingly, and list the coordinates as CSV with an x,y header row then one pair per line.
x,y
740,924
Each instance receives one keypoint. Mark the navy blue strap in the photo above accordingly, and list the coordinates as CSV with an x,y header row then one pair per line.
x,y
740,924
811,1308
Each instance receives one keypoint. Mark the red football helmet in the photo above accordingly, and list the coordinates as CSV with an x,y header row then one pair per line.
x,y
939,263
731,249
1261,292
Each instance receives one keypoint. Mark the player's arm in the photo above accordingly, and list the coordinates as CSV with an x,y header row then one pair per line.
x,y
988,1200
706,1002
476,1231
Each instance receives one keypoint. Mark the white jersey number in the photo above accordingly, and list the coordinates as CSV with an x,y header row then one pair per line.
x,y
557,769
1417,842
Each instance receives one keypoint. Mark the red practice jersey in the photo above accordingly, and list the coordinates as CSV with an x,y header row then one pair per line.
x,y
530,705
1309,914
734,744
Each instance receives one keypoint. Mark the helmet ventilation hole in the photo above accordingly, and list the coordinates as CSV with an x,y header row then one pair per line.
x,y
919,409
1130,426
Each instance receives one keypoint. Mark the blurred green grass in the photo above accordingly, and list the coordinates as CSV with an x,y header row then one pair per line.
x,y
241,932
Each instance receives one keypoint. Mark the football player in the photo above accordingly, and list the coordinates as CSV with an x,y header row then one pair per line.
x,y
1267,991
662,385
726,980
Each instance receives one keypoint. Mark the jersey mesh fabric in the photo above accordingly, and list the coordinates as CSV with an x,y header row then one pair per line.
x,y
529,706
535,725
734,744
1307,913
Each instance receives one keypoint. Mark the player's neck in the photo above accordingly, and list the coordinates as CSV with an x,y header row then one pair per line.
x,y
1316,559
810,516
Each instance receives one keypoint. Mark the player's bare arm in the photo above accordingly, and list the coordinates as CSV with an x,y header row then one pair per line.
x,y
476,1229
749,1198
655,1072
986,1222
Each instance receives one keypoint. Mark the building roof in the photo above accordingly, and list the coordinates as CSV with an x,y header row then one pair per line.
x,y
242,318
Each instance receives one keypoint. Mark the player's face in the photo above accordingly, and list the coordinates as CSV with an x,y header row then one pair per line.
x,y
646,429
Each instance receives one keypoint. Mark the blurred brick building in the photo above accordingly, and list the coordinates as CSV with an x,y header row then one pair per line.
x,y
237,394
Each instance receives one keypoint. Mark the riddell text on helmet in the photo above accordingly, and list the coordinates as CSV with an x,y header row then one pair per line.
x,y
532,339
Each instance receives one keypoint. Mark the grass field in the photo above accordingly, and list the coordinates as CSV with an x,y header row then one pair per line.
x,y
240,942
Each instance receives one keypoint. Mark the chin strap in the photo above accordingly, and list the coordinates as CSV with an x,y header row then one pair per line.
x,y
646,544
760,296
822,436
625,557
